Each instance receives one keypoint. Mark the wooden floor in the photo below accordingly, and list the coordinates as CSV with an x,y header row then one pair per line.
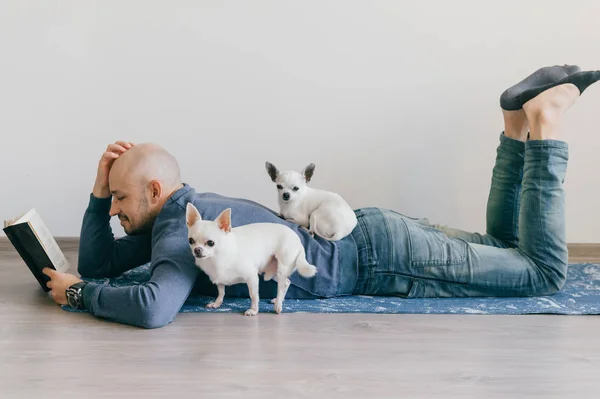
x,y
46,352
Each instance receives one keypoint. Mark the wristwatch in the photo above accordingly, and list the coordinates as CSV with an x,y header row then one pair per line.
x,y
75,295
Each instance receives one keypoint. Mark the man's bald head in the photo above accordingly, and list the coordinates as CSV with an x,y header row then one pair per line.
x,y
141,180
144,163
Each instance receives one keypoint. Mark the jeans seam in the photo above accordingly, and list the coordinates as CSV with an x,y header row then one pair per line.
x,y
410,240
368,245
388,273
544,167
369,250
548,144
389,237
516,210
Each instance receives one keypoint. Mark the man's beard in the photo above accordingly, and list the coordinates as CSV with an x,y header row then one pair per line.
x,y
144,223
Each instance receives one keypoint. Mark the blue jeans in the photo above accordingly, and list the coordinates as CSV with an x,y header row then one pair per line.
x,y
523,253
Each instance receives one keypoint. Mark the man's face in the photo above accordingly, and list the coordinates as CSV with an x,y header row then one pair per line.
x,y
130,203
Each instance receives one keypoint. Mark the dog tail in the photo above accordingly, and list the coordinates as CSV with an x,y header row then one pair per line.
x,y
304,268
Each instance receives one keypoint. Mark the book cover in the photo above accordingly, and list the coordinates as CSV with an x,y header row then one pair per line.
x,y
36,246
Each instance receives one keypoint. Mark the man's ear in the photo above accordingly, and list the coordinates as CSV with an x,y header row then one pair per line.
x,y
191,215
155,190
224,220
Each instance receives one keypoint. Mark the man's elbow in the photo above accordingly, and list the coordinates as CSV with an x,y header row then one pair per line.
x,y
156,316
87,268
85,271
90,272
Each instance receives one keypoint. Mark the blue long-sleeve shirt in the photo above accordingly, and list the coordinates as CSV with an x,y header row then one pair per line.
x,y
173,272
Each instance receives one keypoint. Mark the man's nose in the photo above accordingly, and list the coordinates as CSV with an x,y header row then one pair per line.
x,y
114,210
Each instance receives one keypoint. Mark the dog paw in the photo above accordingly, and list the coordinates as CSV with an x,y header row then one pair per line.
x,y
278,307
214,305
273,300
251,312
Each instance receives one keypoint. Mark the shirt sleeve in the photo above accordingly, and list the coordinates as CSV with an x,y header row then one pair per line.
x,y
100,254
156,302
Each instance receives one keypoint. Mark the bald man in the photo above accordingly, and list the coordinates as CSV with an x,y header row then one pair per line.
x,y
141,185
523,252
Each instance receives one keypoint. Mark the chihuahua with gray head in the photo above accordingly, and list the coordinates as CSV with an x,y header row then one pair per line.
x,y
238,255
321,212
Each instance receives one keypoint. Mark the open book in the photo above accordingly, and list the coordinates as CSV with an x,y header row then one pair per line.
x,y
33,241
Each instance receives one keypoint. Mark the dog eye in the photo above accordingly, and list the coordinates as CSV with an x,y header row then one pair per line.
x,y
210,243
279,187
191,241
295,189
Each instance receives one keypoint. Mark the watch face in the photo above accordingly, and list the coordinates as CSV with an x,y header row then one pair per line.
x,y
72,299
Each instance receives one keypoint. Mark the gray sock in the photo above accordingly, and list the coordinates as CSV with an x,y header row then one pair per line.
x,y
515,96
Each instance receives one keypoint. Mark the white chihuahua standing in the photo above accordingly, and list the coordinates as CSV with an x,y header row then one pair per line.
x,y
237,255
321,212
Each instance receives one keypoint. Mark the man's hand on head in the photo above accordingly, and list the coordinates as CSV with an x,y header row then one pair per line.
x,y
58,284
113,151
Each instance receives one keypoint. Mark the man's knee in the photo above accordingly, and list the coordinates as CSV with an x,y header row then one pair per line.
x,y
555,280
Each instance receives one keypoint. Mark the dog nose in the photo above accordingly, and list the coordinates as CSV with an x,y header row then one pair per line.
x,y
198,252
286,196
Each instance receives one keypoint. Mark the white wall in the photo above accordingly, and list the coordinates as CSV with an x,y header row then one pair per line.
x,y
395,102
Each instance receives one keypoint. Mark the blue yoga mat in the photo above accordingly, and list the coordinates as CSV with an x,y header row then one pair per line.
x,y
580,295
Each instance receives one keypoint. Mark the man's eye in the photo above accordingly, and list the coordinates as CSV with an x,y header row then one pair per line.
x,y
279,187
191,241
210,243
120,198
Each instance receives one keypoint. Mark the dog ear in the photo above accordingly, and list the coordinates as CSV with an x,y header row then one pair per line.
x,y
308,172
191,214
224,220
271,170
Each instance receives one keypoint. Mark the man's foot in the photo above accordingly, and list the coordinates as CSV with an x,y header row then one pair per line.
x,y
513,98
544,112
581,80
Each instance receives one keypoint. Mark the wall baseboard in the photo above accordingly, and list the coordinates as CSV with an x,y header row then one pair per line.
x,y
582,251
65,243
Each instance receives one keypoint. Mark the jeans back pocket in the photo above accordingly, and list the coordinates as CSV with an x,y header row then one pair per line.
x,y
431,247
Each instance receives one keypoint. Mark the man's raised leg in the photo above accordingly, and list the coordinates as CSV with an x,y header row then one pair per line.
x,y
421,262
502,212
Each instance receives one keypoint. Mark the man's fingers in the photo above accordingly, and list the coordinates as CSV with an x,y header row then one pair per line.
x,y
49,272
119,149
125,144
110,155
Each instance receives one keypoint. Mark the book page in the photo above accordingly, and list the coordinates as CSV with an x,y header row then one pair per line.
x,y
16,220
48,242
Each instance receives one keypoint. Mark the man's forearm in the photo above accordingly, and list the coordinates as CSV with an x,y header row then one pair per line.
x,y
154,303
100,255
101,192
